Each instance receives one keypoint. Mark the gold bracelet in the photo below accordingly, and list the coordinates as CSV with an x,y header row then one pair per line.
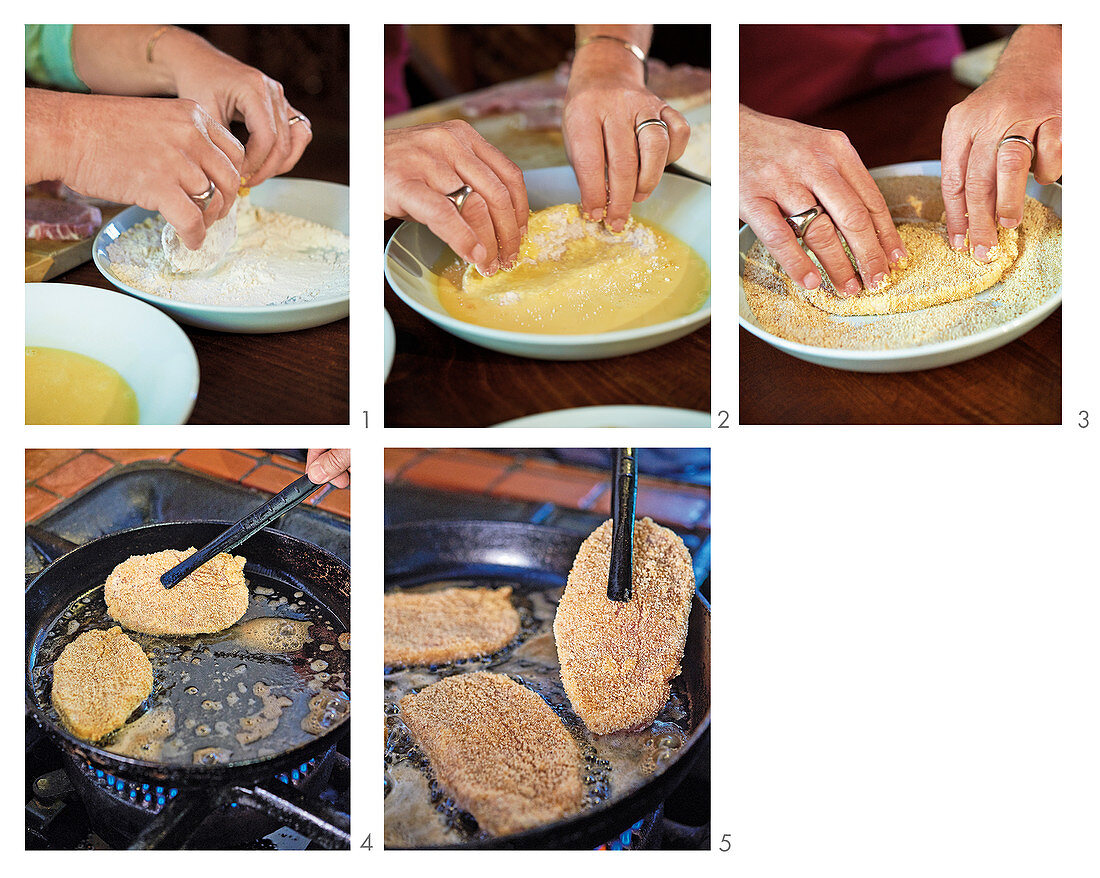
x,y
630,47
157,34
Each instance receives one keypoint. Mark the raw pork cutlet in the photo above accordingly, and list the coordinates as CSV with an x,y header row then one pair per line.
x,y
425,628
498,748
54,219
618,658
98,681
210,599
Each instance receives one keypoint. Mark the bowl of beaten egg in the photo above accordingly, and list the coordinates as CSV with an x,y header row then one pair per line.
x,y
95,357
562,303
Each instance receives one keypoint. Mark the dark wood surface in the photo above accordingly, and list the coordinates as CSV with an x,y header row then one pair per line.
x,y
439,380
1020,383
289,377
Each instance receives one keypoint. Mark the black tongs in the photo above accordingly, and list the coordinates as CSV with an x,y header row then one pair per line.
x,y
249,526
624,496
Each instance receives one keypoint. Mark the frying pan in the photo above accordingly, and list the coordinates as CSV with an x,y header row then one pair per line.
x,y
536,558
286,560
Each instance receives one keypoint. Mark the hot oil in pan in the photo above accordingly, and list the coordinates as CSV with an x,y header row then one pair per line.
x,y
418,812
273,681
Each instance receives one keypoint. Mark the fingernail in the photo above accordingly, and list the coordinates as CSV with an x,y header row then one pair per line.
x,y
811,281
852,288
898,256
489,270
877,279
958,242
596,215
618,225
981,253
478,254
1008,222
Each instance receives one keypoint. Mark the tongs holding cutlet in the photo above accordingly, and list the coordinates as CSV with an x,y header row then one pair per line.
x,y
624,496
249,526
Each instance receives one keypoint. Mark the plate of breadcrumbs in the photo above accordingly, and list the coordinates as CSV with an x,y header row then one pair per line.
x,y
938,308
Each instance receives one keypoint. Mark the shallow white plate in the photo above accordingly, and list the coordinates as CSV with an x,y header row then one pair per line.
x,y
316,200
614,416
389,344
692,161
920,356
139,342
680,205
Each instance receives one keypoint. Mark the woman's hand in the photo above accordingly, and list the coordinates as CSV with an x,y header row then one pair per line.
x,y
329,465
153,152
983,182
605,100
424,163
232,91
787,168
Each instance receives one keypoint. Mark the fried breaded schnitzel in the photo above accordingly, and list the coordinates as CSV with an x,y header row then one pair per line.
x,y
210,599
498,748
423,628
98,681
618,658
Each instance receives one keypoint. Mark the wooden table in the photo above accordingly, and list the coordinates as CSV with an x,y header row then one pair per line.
x,y
439,380
1020,383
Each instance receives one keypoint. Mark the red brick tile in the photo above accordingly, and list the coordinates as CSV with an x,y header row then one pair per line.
x,y
270,478
464,470
396,459
298,466
562,485
218,462
134,455
39,461
75,475
337,501
37,502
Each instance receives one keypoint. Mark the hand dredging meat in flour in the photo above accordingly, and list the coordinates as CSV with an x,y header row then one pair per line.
x,y
618,658
275,258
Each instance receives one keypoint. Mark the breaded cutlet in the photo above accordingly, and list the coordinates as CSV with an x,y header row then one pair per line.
x,y
98,681
424,628
498,749
618,658
211,599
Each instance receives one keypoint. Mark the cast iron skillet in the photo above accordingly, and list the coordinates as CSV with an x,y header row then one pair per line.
x,y
536,558
271,554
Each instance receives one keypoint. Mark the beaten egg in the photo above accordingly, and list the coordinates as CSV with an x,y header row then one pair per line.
x,y
577,276
63,387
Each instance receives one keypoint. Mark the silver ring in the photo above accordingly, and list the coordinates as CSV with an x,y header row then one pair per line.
x,y
1017,138
459,196
203,200
800,222
298,118
638,128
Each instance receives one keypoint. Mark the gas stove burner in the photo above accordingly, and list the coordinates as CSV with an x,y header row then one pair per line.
x,y
625,840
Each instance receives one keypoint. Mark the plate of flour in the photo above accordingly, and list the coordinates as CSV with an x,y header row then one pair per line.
x,y
288,269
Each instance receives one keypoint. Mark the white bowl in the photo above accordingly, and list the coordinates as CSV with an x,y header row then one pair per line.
x,y
139,342
917,357
680,205
315,200
614,416
389,344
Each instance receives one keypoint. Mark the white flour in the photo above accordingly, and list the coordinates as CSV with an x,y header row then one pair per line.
x,y
277,259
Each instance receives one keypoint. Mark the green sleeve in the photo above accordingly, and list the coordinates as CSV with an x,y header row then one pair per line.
x,y
49,57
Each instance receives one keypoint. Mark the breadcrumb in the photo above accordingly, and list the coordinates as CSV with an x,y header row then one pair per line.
x,y
498,749
618,658
423,628
211,599
98,681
